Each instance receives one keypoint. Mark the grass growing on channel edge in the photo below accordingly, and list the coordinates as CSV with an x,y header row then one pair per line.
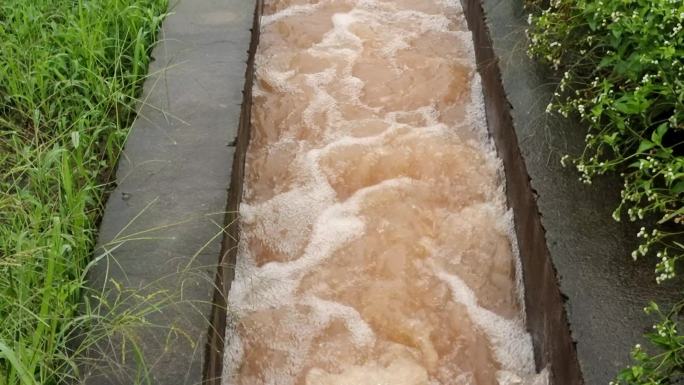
x,y
69,74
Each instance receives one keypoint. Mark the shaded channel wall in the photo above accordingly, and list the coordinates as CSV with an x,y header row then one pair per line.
x,y
225,272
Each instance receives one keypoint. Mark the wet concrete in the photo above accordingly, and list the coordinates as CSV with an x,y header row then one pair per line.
x,y
172,183
605,290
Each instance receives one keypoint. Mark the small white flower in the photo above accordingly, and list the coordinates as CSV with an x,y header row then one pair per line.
x,y
564,159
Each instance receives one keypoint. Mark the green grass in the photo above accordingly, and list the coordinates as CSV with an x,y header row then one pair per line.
x,y
70,71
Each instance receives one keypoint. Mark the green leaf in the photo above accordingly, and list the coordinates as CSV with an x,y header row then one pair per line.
x,y
658,133
610,139
631,105
607,61
645,146
592,21
678,187
16,363
75,138
616,33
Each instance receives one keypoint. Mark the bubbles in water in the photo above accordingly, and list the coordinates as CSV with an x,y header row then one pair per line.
x,y
375,245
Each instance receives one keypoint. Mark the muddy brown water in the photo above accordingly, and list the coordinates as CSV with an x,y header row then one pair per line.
x,y
375,243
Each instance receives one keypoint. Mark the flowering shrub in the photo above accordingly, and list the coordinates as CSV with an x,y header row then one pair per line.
x,y
622,67
667,365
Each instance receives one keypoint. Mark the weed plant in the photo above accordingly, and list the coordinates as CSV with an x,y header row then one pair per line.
x,y
70,71
622,68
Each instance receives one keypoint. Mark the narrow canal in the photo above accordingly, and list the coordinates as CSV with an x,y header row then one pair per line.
x,y
376,247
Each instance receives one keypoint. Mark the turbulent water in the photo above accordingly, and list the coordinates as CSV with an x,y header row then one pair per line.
x,y
375,242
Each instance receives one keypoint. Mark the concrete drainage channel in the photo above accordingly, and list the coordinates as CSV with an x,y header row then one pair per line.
x,y
183,139
546,319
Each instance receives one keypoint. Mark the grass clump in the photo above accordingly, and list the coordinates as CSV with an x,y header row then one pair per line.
x,y
70,71
622,68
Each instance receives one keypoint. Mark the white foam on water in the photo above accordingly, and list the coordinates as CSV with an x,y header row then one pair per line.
x,y
477,117
508,335
455,4
400,371
287,12
274,283
362,334
233,351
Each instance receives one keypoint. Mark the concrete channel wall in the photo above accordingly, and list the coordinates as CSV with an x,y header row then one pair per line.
x,y
225,272
162,228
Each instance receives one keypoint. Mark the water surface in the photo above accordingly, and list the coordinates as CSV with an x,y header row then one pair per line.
x,y
375,242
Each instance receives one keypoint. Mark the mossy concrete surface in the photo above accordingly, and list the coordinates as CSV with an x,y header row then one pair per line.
x,y
606,291
163,222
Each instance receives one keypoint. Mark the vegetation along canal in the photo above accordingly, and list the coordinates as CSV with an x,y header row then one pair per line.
x,y
375,244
